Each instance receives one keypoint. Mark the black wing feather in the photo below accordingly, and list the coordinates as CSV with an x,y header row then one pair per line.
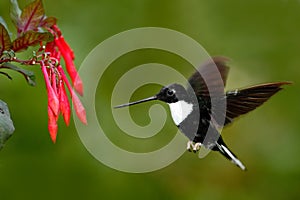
x,y
207,83
238,102
215,78
242,101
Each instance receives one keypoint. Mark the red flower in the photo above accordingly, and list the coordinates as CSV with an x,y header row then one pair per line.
x,y
35,28
52,124
64,103
68,56
56,80
79,109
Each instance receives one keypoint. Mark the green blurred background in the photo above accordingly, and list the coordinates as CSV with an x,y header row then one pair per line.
x,y
263,40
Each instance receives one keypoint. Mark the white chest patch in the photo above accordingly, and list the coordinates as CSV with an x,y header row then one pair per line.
x,y
180,110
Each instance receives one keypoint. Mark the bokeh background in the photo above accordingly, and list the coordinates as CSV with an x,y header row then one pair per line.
x,y
263,40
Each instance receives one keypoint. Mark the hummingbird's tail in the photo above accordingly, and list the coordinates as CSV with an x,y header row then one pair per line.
x,y
230,156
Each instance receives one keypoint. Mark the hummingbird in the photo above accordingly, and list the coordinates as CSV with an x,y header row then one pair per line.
x,y
191,107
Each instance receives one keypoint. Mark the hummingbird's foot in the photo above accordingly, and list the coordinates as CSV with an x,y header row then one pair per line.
x,y
190,146
196,147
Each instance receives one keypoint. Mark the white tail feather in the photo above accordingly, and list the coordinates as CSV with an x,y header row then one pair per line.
x,y
233,158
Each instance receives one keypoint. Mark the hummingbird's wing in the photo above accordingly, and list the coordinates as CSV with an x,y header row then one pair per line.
x,y
216,79
242,101
207,83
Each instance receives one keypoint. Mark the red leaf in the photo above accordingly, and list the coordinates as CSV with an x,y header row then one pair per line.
x,y
48,22
30,38
5,43
15,12
31,16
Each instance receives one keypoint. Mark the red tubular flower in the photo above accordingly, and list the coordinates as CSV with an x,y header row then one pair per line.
x,y
52,124
53,101
54,83
52,50
64,103
56,80
35,28
68,56
53,104
79,109
58,102
64,44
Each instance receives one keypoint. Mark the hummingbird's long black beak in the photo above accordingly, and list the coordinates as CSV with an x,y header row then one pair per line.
x,y
137,102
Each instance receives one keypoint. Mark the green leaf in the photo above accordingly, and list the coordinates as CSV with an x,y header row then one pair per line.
x,y
5,43
29,75
2,21
15,12
30,38
6,124
31,16
6,74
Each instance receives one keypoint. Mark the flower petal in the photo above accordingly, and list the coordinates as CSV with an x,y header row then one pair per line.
x,y
76,80
54,83
52,124
68,57
79,109
66,47
64,103
52,49
52,97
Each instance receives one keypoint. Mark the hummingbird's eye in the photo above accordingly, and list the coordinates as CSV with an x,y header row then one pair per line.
x,y
170,92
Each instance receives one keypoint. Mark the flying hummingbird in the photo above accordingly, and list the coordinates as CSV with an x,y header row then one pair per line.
x,y
191,107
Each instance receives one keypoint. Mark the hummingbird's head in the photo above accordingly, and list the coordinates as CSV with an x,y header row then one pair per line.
x,y
169,94
172,93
